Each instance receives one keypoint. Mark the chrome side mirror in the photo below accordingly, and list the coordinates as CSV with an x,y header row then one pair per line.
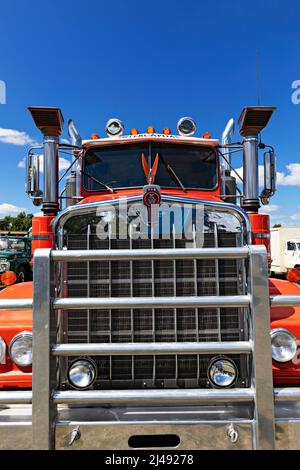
x,y
33,178
269,177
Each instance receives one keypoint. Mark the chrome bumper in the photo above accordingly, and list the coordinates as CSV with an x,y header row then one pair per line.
x,y
198,427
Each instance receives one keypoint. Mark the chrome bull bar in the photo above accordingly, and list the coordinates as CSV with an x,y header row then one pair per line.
x,y
45,397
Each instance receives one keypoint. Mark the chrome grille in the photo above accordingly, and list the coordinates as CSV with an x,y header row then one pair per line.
x,y
154,278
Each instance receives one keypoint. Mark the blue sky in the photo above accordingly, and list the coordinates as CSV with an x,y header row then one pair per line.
x,y
149,63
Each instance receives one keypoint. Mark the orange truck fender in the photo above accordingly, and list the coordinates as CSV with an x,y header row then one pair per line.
x,y
13,322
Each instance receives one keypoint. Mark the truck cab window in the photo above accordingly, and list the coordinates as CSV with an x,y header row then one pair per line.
x,y
120,166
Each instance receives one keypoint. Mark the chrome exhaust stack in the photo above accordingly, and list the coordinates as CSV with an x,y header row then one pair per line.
x,y
226,140
50,122
252,121
228,181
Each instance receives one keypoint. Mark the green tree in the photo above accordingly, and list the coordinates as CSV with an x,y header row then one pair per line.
x,y
21,223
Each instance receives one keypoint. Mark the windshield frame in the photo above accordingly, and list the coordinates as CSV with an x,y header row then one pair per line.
x,y
149,142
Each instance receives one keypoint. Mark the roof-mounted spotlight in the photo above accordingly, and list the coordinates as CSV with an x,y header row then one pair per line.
x,y
48,120
254,119
114,128
186,126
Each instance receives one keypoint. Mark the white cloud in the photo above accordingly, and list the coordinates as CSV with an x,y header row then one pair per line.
x,y
291,178
12,136
240,172
63,163
295,217
270,208
22,163
9,209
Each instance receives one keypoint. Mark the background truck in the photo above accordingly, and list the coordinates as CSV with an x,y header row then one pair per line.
x,y
154,321
285,249
15,257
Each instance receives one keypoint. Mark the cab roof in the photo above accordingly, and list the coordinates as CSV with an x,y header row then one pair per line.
x,y
178,139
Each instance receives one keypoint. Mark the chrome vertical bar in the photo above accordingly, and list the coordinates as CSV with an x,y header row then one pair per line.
x,y
217,279
250,200
109,290
43,411
153,295
196,309
131,295
262,379
175,309
50,195
88,284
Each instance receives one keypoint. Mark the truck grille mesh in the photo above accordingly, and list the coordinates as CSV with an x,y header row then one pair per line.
x,y
158,279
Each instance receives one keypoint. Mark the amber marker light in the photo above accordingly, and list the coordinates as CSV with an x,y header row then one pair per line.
x,y
207,135
150,130
134,131
167,131
8,278
293,275
95,136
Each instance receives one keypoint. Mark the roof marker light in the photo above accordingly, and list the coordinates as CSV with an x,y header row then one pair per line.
x,y
150,130
134,131
95,136
206,135
167,131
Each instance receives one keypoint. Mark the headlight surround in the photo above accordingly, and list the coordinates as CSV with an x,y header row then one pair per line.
x,y
222,372
114,127
284,345
82,373
186,126
20,349
2,350
4,265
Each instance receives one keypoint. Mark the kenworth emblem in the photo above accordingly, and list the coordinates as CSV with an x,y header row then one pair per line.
x,y
151,200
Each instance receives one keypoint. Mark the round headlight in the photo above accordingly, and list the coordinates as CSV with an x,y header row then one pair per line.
x,y
284,345
222,372
114,128
82,373
186,126
20,349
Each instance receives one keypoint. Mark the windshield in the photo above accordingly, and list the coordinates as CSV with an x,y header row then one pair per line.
x,y
12,244
121,166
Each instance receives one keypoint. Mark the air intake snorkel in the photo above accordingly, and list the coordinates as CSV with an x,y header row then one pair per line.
x,y
252,121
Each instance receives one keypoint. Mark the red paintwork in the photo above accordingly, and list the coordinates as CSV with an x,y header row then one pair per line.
x,y
11,323
42,226
289,318
260,224
125,193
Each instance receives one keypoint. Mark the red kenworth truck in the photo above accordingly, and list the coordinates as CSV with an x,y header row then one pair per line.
x,y
150,304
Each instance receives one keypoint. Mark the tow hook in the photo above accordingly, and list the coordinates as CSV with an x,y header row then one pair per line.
x,y
75,435
232,433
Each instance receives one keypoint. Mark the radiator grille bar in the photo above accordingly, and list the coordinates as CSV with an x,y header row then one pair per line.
x,y
100,349
152,302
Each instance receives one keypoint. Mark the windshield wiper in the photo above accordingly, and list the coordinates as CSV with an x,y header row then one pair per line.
x,y
99,182
172,173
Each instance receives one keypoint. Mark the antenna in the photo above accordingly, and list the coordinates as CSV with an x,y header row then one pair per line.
x,y
258,77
